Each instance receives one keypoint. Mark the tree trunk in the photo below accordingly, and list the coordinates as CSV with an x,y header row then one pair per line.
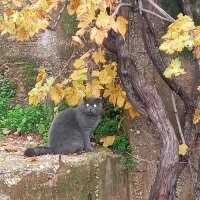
x,y
169,168
163,188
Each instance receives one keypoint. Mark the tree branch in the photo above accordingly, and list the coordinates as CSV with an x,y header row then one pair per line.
x,y
189,132
169,151
109,43
155,14
161,10
177,118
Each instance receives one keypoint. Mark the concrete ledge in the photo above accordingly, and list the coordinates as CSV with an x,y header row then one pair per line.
x,y
89,176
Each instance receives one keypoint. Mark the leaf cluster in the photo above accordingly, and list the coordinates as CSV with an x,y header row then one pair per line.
x,y
93,18
104,83
182,34
24,19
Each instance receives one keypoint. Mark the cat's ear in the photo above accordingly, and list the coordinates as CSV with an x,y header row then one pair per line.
x,y
84,99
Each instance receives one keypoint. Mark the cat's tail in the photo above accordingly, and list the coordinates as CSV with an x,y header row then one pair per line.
x,y
38,151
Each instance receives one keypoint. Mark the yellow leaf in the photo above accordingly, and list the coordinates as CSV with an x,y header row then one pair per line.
x,y
98,35
197,52
179,35
121,100
93,89
57,93
104,78
40,77
196,117
99,57
34,100
174,68
73,96
111,70
85,55
17,3
71,8
196,36
121,25
103,20
79,64
36,96
115,93
108,141
50,81
183,149
65,81
77,41
132,111
80,74
95,73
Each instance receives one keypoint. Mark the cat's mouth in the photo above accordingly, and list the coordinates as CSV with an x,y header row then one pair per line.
x,y
91,113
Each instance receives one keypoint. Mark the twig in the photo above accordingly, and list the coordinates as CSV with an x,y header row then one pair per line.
x,y
121,5
140,6
140,159
153,13
177,118
161,10
53,27
141,9
66,64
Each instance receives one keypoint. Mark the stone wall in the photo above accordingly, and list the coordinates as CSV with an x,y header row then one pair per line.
x,y
90,176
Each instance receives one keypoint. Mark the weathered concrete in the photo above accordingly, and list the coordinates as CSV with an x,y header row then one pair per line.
x,y
90,176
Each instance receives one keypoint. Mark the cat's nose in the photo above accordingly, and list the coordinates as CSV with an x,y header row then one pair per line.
x,y
91,109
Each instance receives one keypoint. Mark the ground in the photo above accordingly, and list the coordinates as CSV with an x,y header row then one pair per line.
x,y
16,144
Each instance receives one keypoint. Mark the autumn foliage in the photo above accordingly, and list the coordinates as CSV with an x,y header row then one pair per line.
x,y
93,74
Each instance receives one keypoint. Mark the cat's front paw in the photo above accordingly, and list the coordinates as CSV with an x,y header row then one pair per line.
x,y
89,149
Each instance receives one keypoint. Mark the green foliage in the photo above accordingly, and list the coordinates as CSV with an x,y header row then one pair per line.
x,y
127,162
109,122
24,119
30,74
6,92
1,137
30,118
187,55
69,24
37,119
121,144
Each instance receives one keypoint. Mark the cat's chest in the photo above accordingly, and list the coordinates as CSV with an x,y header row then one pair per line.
x,y
87,123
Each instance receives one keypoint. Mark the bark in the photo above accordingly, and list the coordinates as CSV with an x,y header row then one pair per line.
x,y
186,6
162,188
189,129
169,168
133,96
197,185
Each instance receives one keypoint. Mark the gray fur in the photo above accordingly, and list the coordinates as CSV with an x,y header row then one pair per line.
x,y
70,131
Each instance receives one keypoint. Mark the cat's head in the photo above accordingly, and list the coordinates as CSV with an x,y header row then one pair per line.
x,y
91,106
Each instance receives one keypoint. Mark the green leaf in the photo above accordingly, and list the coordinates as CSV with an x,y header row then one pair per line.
x,y
174,69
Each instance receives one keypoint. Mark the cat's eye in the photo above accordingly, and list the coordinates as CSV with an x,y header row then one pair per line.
x,y
87,104
95,105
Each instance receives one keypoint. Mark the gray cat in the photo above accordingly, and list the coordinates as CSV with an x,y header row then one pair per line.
x,y
70,131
